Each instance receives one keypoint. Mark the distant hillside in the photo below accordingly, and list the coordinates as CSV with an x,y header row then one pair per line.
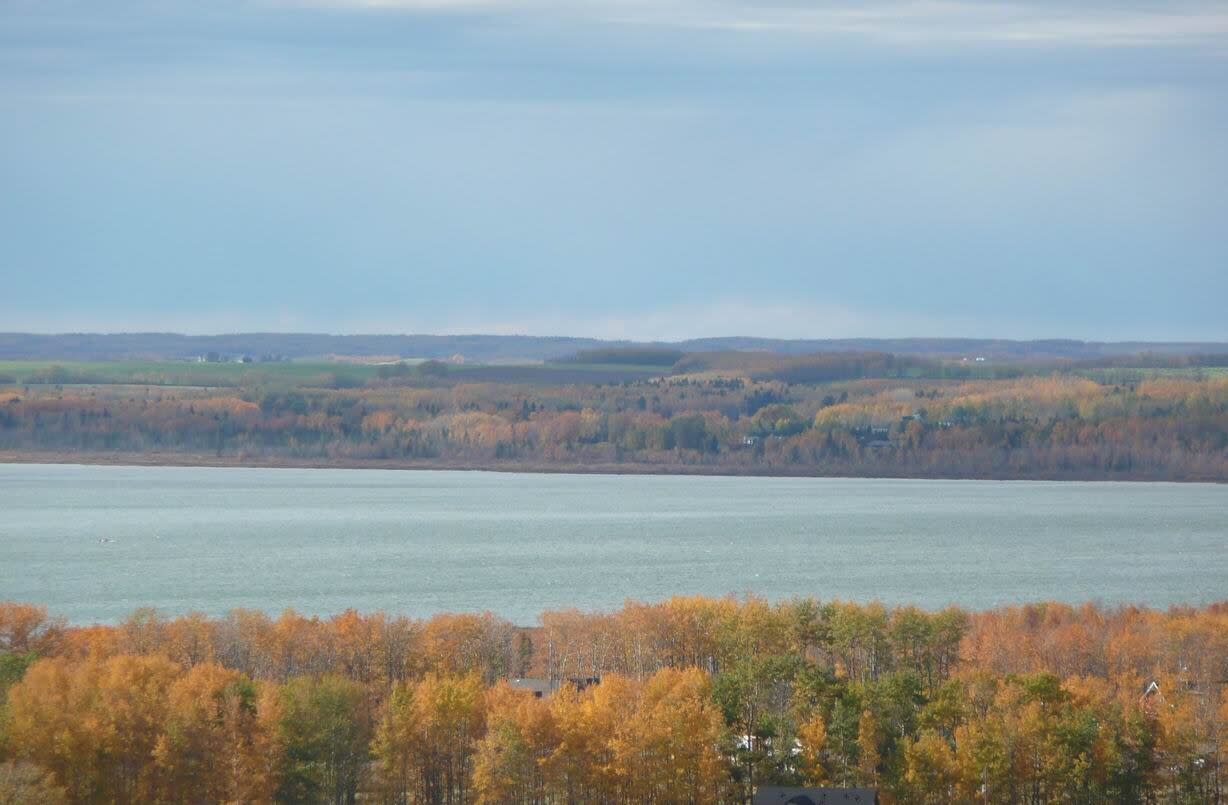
x,y
519,348
995,348
154,346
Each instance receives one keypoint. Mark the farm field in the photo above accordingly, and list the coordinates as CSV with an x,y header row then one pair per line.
x,y
305,373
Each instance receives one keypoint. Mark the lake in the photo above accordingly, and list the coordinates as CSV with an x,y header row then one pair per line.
x,y
95,542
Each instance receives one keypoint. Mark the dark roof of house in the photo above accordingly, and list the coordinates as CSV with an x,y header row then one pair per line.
x,y
785,795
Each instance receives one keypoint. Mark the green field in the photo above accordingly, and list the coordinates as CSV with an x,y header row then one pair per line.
x,y
183,373
339,374
326,374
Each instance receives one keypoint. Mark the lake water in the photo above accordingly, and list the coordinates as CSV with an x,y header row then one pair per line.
x,y
93,543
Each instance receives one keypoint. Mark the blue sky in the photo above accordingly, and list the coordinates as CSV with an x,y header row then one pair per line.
x,y
616,168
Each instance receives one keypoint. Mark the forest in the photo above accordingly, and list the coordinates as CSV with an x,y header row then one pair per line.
x,y
690,700
851,414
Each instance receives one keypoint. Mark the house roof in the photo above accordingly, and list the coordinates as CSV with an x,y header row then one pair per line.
x,y
540,686
787,795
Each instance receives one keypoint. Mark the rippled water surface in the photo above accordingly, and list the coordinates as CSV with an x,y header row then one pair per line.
x,y
93,543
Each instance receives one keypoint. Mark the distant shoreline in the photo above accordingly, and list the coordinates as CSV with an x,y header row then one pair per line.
x,y
178,459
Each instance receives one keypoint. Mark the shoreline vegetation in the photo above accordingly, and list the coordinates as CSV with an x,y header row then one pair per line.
x,y
642,411
690,699
205,461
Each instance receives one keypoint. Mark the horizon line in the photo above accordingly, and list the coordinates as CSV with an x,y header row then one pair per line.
x,y
731,337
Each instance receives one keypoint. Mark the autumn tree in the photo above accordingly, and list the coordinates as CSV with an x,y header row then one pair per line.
x,y
26,784
324,728
812,740
94,725
669,748
512,759
932,771
216,744
427,737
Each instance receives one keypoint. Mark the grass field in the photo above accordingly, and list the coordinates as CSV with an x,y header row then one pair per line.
x,y
182,373
330,374
341,374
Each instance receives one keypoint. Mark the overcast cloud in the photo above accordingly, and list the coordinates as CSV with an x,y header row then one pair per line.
x,y
616,168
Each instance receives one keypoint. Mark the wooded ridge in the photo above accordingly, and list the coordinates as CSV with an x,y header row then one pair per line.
x,y
852,414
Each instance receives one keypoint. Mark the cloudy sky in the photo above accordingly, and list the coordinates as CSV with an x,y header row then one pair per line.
x,y
617,168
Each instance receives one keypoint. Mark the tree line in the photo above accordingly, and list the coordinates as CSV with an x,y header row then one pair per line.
x,y
1053,427
691,700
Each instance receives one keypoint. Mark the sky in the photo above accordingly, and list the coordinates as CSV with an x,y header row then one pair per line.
x,y
642,169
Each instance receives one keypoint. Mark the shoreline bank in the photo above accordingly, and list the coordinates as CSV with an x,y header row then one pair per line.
x,y
177,459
